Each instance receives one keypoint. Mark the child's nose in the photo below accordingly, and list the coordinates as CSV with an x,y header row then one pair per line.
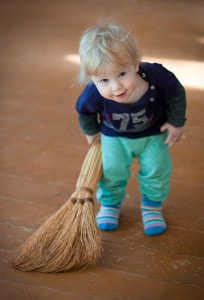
x,y
116,85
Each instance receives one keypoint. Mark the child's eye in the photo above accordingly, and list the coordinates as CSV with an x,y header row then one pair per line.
x,y
104,80
122,74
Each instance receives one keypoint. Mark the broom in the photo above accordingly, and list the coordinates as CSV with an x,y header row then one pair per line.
x,y
69,239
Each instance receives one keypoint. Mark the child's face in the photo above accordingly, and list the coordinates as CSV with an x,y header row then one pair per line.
x,y
117,83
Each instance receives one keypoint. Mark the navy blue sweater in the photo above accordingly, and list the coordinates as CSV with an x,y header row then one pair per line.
x,y
165,101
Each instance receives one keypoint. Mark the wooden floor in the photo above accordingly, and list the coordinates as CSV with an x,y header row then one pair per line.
x,y
42,149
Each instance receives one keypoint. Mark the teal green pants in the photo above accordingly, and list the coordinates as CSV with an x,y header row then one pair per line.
x,y
117,156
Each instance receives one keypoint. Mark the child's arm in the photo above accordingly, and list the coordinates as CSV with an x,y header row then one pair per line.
x,y
90,127
176,110
87,107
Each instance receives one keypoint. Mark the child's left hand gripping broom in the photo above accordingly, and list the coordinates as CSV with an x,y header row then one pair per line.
x,y
69,238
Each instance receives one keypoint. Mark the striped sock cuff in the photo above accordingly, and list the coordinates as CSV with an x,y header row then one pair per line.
x,y
107,218
153,221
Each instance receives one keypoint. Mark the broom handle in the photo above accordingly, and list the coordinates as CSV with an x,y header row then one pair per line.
x,y
91,169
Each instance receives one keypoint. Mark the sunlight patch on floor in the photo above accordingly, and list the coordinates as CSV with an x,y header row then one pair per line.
x,y
189,72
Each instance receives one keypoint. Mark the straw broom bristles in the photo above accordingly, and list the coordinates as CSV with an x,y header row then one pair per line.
x,y
69,238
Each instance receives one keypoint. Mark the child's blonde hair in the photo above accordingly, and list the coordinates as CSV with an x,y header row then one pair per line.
x,y
106,44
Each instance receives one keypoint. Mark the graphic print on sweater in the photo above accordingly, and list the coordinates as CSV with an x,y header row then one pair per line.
x,y
128,122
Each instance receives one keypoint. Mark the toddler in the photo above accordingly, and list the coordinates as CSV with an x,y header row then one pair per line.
x,y
138,109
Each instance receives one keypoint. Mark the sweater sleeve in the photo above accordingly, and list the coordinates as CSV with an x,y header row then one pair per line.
x,y
89,124
88,106
173,93
176,108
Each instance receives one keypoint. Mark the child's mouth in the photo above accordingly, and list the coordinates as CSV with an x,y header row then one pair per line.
x,y
121,95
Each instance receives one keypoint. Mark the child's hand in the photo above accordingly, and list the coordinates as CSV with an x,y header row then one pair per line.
x,y
174,133
93,139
